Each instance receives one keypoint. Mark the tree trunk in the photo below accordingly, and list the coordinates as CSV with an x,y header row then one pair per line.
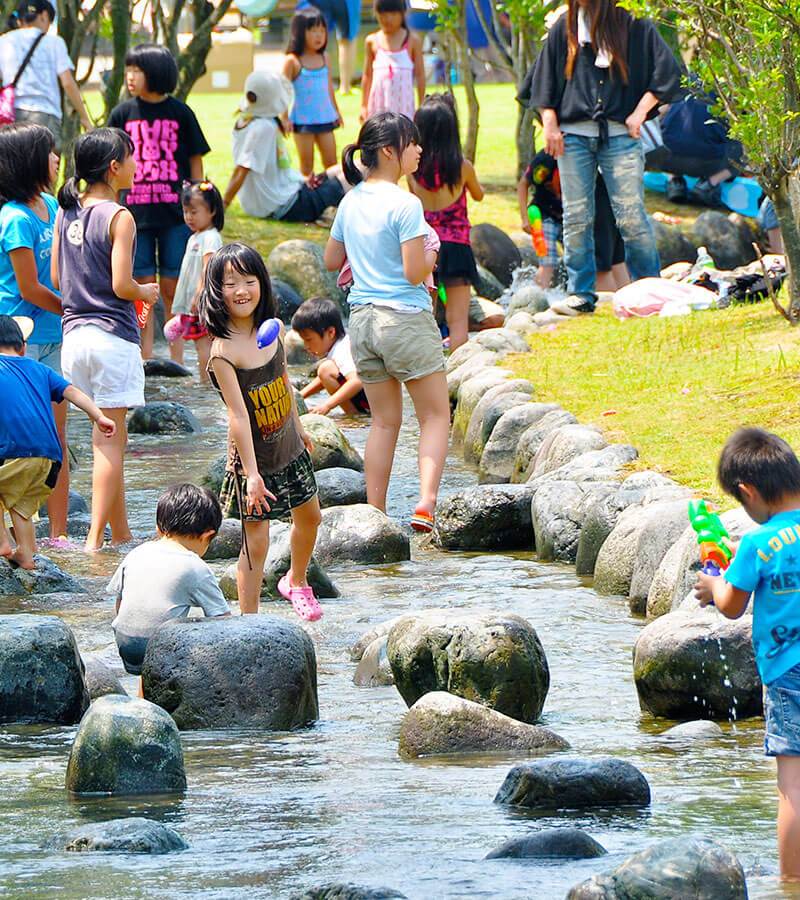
x,y
525,126
786,199
121,14
473,108
192,61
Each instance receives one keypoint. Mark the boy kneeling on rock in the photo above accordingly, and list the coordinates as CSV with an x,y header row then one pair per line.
x,y
163,579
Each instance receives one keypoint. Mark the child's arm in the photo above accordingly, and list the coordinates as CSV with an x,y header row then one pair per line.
x,y
30,288
301,431
335,255
417,262
352,385
54,251
419,66
332,92
366,78
313,387
92,410
123,234
238,177
239,426
522,198
470,176
196,167
290,70
729,600
199,289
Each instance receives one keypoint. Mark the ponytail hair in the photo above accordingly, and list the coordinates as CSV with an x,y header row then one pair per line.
x,y
27,12
94,152
387,129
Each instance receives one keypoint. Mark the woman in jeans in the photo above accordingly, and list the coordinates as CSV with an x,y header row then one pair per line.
x,y
600,75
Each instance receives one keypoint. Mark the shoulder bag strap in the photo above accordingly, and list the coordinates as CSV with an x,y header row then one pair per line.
x,y
27,59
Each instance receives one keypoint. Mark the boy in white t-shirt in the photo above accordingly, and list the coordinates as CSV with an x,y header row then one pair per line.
x,y
319,323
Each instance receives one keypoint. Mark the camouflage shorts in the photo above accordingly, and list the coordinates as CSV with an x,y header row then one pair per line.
x,y
292,486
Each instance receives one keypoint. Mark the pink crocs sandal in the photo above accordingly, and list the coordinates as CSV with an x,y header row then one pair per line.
x,y
303,601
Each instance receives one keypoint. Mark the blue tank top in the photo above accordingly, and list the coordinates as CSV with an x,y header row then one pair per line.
x,y
312,99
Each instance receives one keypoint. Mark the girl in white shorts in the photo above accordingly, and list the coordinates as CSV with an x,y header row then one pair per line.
x,y
381,230
92,264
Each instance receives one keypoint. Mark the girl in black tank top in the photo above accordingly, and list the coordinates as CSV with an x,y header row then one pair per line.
x,y
269,474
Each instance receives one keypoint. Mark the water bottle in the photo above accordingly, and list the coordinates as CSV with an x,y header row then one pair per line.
x,y
704,259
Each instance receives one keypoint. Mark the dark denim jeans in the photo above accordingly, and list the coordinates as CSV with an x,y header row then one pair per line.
x,y
622,164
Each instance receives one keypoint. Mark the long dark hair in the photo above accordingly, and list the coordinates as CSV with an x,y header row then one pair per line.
x,y
442,157
246,261
28,10
24,161
390,6
303,20
94,152
387,129
609,29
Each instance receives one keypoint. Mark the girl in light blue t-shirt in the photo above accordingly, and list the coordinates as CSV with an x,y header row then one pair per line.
x,y
380,230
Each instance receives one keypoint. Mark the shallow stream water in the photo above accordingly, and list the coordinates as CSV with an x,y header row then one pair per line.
x,y
267,815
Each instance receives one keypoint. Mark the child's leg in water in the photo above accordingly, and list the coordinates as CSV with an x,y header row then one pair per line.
x,y
108,483
789,817
305,522
432,406
457,313
386,402
26,541
249,577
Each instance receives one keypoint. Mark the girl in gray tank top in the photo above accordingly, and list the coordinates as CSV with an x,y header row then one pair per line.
x,y
269,472
92,264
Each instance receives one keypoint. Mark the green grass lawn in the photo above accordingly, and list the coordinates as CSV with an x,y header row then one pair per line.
x,y
675,388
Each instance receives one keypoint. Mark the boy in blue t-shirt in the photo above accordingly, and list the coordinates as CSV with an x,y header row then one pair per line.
x,y
30,451
762,472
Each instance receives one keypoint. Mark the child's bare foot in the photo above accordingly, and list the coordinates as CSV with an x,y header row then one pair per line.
x,y
22,559
5,548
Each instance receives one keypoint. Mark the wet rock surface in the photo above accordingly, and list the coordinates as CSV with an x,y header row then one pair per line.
x,y
163,417
133,835
550,843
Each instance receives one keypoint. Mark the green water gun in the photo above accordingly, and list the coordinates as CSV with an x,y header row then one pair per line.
x,y
716,550
442,293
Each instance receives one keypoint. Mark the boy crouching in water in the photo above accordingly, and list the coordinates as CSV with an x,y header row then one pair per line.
x,y
163,579
762,472
319,323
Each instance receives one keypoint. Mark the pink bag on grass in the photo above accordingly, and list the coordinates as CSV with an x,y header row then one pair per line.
x,y
660,296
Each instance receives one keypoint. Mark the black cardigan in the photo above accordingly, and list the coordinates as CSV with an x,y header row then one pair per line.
x,y
598,94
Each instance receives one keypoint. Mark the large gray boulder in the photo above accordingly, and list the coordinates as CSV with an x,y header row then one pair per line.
x,y
486,517
252,671
729,245
574,784
693,664
487,285
501,340
563,445
513,393
497,460
133,835
301,265
46,578
126,746
550,843
476,362
558,510
470,393
381,630
673,245
100,680
165,368
331,449
360,534
440,723
495,659
227,543
287,299
688,868
374,669
495,251
41,673
341,487
654,541
163,417
532,439
461,355
605,464
522,320
662,587
337,890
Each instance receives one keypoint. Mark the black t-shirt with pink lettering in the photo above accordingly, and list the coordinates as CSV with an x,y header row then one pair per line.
x,y
165,135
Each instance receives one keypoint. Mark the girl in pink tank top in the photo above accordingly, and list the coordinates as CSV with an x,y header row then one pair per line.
x,y
442,182
392,64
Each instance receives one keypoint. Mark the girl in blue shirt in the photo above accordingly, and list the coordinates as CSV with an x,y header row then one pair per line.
x,y
28,169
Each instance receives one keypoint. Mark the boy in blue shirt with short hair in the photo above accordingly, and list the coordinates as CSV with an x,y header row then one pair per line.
x,y
762,472
30,451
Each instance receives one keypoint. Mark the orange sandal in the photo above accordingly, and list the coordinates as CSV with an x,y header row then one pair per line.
x,y
422,521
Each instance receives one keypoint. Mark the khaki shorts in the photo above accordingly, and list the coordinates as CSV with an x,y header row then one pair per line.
x,y
390,344
23,486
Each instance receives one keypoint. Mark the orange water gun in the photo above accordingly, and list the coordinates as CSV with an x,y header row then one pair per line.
x,y
537,230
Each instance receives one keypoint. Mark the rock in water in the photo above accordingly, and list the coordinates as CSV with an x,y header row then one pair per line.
x,y
300,264
696,730
487,517
133,835
341,487
686,867
341,891
532,439
360,534
216,472
487,414
574,784
487,285
296,353
373,669
443,723
551,843
558,511
126,746
495,659
495,251
41,674
696,663
299,402
470,392
287,298
165,368
497,459
252,671
163,417
77,504
331,450
227,543
100,680
46,578
359,648
10,585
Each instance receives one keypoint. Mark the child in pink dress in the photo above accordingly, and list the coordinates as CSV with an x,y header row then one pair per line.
x,y
392,64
